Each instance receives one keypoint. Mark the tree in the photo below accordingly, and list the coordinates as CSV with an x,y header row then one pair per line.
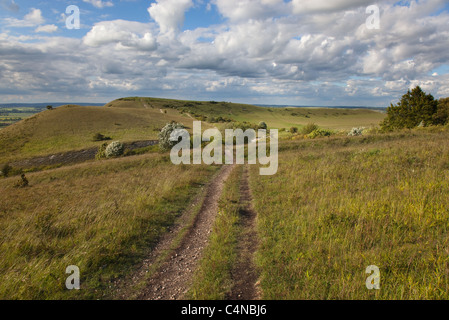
x,y
415,107
49,107
262,125
442,114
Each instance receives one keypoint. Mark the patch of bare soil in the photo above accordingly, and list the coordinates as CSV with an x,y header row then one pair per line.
x,y
244,275
173,278
76,156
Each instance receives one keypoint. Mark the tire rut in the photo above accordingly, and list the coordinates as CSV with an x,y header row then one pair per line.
x,y
244,275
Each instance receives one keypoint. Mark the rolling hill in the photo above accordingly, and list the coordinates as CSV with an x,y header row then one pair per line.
x,y
72,127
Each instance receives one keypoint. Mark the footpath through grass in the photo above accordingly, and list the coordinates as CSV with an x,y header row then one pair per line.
x,y
339,205
102,217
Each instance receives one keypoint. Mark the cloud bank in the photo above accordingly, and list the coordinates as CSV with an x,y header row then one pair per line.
x,y
274,51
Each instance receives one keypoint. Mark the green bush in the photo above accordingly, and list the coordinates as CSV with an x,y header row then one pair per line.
x,y
6,169
320,133
309,128
262,125
293,130
101,152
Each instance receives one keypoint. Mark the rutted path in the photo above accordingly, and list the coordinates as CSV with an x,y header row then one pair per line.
x,y
244,274
173,279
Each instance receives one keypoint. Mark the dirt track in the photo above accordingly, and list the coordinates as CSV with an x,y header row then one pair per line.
x,y
74,156
244,274
174,275
173,278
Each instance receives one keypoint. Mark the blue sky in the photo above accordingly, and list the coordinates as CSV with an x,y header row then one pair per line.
x,y
299,52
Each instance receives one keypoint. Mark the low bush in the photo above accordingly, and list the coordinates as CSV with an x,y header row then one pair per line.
x,y
356,132
6,169
101,152
319,133
114,149
164,136
309,128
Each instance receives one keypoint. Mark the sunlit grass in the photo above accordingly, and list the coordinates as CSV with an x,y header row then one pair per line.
x,y
338,205
102,217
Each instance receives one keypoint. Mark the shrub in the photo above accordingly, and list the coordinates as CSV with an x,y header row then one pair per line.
x,y
22,183
101,152
294,130
114,149
356,132
164,136
309,128
262,125
49,107
319,133
6,169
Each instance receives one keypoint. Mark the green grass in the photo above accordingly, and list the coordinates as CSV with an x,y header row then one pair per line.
x,y
339,205
102,216
212,279
274,117
73,127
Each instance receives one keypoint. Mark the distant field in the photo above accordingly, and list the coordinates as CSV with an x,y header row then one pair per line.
x,y
339,205
10,116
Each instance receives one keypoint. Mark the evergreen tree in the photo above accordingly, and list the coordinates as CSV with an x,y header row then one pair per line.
x,y
414,108
442,114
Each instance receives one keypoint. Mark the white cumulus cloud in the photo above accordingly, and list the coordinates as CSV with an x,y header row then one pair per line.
x,y
169,14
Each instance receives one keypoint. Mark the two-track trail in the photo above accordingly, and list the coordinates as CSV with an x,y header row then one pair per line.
x,y
174,274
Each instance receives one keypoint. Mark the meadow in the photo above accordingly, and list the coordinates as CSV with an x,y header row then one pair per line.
x,y
102,216
338,205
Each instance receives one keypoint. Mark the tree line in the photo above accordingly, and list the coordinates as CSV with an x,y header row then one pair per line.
x,y
416,109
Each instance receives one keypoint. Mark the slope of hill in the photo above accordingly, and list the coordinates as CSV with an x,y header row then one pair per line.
x,y
331,118
72,127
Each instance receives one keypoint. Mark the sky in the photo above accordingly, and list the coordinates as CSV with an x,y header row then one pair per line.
x,y
287,52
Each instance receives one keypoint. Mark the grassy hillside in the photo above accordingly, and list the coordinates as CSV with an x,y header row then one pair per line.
x,y
73,127
102,217
339,205
274,117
